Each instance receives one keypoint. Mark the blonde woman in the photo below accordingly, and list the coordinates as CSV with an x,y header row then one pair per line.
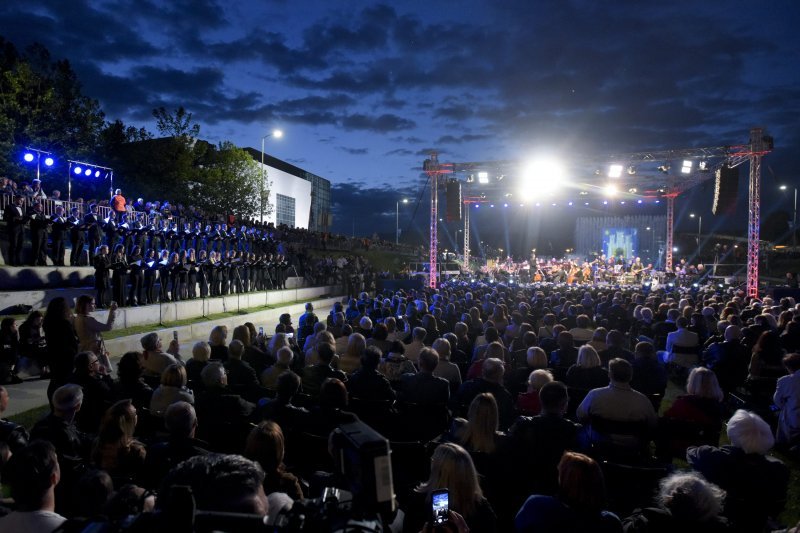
x,y
452,469
703,402
586,373
90,330
172,389
350,361
115,450
201,353
480,432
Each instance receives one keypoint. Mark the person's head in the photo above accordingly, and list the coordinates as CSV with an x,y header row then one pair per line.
x,y
284,356
93,489
174,376
151,342
219,482
288,385
236,350
370,358
554,398
703,382
580,483
493,370
690,498
615,339
428,360
118,424
86,364
242,334
333,393
129,369
218,335
265,445
201,351
588,357
491,334
419,334
452,468
442,347
8,327
749,432
356,344
31,473
365,323
180,419
538,379
67,401
214,375
325,354
645,350
792,362
482,424
620,370
57,309
565,340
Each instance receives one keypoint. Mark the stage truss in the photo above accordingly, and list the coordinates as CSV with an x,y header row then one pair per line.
x,y
651,174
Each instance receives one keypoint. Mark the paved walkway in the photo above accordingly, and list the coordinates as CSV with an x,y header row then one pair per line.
x,y
32,393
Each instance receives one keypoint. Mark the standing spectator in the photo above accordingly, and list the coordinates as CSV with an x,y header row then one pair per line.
x,y
62,342
9,351
39,223
33,343
90,330
787,398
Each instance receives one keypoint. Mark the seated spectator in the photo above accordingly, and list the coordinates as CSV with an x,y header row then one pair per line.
x,y
265,446
331,411
598,341
129,382
649,374
379,338
323,337
367,383
517,379
479,432
172,389
219,482
491,381
566,355
59,426
217,339
587,373
253,355
703,402
615,348
311,340
787,398
96,386
451,469
315,375
240,373
115,450
13,435
280,409
424,388
350,360
445,369
766,364
528,402
340,344
482,344
269,378
395,364
617,402
154,360
201,352
537,443
417,344
493,350
685,502
578,505
180,420
92,493
683,345
217,407
755,483
582,332
32,475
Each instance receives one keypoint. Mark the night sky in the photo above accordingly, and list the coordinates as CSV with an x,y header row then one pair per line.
x,y
363,90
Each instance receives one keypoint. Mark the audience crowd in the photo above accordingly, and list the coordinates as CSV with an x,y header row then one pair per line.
x,y
536,408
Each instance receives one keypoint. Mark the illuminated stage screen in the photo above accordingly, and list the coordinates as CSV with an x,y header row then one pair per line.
x,y
620,242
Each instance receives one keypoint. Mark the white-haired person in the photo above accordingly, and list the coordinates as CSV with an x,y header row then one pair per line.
x,y
755,482
685,502
528,402
587,373
350,360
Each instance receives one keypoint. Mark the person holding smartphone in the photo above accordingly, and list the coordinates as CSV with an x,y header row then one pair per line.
x,y
454,479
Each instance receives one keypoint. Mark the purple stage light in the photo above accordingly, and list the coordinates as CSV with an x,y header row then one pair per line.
x,y
639,201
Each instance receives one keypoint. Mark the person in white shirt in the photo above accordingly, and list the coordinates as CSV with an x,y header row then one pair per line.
x,y
416,346
685,341
445,369
32,474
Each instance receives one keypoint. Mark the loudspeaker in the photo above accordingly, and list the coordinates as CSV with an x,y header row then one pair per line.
x,y
726,189
453,200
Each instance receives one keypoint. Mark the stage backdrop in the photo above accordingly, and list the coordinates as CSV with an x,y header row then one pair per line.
x,y
640,235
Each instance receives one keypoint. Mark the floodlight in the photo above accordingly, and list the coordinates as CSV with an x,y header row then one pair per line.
x,y
28,157
675,249
702,166
783,187
638,201
664,168
615,171
483,177
605,202
97,174
491,205
48,161
541,176
88,172
631,170
78,170
610,190
633,190
505,205
277,134
687,167
569,203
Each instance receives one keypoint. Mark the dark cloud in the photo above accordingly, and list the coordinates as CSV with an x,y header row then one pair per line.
x,y
384,123
460,139
400,151
354,151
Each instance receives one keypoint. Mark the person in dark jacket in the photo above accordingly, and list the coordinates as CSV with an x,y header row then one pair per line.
x,y
366,382
62,342
315,375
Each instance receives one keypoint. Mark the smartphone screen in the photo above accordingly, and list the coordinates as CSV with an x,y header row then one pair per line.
x,y
175,335
440,505
261,331
290,335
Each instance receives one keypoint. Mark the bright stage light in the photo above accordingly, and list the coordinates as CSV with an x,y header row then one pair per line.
x,y
28,157
97,174
88,172
505,205
631,170
687,167
277,134
610,190
638,201
78,170
483,177
48,161
569,203
542,176
615,171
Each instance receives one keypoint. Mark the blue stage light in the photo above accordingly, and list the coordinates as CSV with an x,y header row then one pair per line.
x,y
605,202
48,161
97,174
638,201
78,170
491,205
88,172
505,205
28,157
658,201
569,203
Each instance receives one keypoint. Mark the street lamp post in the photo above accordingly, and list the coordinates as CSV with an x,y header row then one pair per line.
x,y
794,218
397,220
699,229
276,134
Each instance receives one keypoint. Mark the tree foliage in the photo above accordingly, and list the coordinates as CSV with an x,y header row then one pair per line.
x,y
177,124
229,182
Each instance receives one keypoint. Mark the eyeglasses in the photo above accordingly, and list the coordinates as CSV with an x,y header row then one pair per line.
x,y
94,362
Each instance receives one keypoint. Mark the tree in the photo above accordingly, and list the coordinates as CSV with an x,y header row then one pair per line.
x,y
229,182
178,124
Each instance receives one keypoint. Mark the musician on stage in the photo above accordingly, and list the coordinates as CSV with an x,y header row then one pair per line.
x,y
109,226
203,273
163,275
15,218
150,274
101,262
119,276
59,225
137,268
191,262
637,269
39,224
92,222
77,236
